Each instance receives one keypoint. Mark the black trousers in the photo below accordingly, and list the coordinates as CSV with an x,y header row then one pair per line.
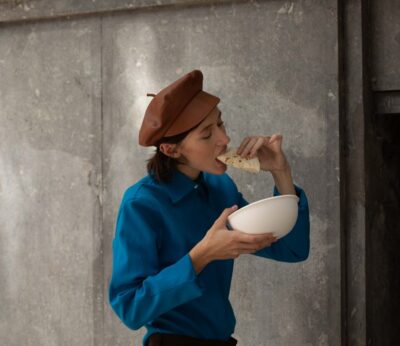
x,y
158,339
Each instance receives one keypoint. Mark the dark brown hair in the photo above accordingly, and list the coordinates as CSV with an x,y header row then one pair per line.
x,y
161,166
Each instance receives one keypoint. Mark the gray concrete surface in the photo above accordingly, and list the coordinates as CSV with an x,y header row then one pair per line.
x,y
28,10
50,168
72,96
385,45
353,178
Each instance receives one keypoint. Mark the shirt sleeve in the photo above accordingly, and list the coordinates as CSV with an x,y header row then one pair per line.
x,y
139,289
241,201
295,246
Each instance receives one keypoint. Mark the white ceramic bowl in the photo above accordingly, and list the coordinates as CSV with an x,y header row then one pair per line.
x,y
275,215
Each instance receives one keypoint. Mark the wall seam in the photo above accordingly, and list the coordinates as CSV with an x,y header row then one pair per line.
x,y
342,162
368,122
24,16
102,283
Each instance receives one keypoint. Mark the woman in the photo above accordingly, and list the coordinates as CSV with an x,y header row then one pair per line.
x,y
172,252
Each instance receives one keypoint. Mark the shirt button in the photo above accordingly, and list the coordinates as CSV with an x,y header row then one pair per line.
x,y
196,186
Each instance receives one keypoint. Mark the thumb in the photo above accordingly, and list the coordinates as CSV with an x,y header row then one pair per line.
x,y
275,137
221,221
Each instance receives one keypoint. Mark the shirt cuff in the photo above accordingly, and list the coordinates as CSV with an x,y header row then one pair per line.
x,y
303,203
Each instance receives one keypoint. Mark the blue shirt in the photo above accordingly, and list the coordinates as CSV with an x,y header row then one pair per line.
x,y
153,281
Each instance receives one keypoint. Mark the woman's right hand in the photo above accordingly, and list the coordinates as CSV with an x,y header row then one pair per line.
x,y
219,243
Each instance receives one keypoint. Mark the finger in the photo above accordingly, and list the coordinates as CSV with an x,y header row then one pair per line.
x,y
257,145
269,242
265,243
221,221
246,238
243,145
275,137
272,139
248,147
253,248
267,139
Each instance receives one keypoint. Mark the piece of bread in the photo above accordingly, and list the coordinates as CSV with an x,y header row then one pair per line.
x,y
235,160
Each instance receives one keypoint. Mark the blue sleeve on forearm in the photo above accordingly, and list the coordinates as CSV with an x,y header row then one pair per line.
x,y
241,201
295,246
139,291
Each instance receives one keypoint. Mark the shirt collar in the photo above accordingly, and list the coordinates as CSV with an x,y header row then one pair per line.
x,y
181,185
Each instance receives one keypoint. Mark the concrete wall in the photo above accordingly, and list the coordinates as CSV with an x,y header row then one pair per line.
x,y
72,96
352,173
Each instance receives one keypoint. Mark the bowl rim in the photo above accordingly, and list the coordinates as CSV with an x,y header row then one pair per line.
x,y
263,200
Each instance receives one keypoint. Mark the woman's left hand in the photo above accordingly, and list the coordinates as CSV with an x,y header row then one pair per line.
x,y
268,149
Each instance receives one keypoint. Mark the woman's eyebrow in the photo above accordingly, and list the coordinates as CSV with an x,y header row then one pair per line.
x,y
208,126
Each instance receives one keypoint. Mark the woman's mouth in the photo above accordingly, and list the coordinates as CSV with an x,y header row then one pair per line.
x,y
219,163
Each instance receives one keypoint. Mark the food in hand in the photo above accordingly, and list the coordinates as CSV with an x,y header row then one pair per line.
x,y
233,159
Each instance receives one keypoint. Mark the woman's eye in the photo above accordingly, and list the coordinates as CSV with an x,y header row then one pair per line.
x,y
221,124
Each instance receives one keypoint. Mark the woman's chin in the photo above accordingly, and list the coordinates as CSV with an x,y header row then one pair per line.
x,y
220,166
217,167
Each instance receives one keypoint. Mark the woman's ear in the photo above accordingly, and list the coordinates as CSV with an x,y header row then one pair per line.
x,y
170,149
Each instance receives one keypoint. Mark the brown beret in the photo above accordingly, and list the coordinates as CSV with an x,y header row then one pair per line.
x,y
176,109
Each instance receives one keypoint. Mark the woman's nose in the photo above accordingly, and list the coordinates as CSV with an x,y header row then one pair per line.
x,y
223,138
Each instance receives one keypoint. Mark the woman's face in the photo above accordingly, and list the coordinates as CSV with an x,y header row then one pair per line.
x,y
201,146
